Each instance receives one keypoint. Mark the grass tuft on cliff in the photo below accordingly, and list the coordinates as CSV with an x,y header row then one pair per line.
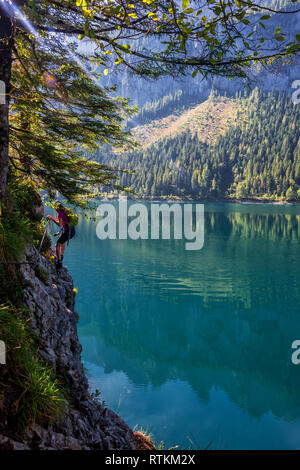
x,y
40,396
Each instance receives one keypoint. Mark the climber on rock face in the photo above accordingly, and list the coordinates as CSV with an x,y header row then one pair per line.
x,y
68,231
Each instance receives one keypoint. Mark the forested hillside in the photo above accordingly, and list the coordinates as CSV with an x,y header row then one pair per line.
x,y
257,156
207,120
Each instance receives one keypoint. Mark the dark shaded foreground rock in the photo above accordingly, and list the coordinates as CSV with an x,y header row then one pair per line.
x,y
86,425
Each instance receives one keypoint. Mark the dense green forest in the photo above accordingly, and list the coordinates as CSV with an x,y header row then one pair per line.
x,y
258,157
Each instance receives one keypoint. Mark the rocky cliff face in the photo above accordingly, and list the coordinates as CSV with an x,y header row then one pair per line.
x,y
86,425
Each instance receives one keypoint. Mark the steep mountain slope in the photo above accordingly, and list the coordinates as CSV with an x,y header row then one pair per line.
x,y
278,76
207,120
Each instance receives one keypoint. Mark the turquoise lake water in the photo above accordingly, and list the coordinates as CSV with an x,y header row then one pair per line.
x,y
195,346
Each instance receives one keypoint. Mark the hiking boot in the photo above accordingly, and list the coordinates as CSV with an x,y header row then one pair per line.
x,y
58,264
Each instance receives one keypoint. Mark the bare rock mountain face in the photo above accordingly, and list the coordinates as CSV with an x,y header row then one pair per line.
x,y
86,425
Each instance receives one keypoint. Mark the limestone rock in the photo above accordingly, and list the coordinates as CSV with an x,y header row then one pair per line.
x,y
49,295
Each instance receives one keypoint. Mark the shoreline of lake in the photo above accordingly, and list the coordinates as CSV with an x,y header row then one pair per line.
x,y
207,201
